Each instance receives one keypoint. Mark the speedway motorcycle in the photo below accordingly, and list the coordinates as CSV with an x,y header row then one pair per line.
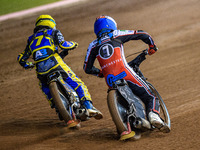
x,y
66,100
128,111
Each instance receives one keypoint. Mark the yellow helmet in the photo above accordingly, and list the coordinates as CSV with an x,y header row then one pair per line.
x,y
45,20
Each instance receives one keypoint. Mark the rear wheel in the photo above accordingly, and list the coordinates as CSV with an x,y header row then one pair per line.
x,y
117,110
163,109
60,101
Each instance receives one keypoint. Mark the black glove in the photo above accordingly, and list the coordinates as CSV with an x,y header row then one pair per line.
x,y
75,46
100,75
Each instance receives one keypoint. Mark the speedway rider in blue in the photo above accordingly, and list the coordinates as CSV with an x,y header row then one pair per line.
x,y
43,45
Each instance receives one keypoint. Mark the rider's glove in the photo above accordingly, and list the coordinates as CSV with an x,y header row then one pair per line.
x,y
28,65
68,45
100,75
75,46
65,50
152,49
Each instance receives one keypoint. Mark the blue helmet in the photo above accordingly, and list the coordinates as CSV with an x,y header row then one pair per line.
x,y
104,22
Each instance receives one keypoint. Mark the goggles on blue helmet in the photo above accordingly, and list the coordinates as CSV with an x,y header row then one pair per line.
x,y
104,23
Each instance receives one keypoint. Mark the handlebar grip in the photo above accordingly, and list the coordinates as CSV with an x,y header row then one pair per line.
x,y
145,51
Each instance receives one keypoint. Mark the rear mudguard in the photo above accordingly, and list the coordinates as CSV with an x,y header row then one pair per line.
x,y
70,93
130,98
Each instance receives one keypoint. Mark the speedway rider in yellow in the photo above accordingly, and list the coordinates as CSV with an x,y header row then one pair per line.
x,y
43,45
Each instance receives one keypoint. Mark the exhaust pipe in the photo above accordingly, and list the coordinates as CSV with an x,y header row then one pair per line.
x,y
142,123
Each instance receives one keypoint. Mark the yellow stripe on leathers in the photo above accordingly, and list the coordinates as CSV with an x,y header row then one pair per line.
x,y
67,69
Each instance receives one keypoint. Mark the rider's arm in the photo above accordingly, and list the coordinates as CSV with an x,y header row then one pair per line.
x,y
89,62
128,35
64,45
23,57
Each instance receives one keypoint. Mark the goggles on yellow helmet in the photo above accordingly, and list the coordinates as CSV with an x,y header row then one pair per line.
x,y
45,20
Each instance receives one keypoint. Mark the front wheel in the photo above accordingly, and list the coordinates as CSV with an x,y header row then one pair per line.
x,y
60,101
163,109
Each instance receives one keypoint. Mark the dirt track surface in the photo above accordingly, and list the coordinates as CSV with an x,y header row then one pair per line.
x,y
27,121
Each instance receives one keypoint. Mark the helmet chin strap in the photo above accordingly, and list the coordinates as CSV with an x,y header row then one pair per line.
x,y
104,32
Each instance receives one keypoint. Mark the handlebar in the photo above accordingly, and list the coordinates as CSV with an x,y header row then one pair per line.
x,y
145,51
30,66
139,59
135,63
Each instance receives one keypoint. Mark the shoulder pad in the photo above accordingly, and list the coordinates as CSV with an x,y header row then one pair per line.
x,y
122,32
93,44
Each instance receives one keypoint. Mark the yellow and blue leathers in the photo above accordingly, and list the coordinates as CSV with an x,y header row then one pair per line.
x,y
43,46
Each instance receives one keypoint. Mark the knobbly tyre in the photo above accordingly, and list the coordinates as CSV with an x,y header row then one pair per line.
x,y
66,100
128,111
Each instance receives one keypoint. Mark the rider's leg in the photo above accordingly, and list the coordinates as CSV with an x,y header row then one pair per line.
x,y
83,94
45,89
142,90
79,87
151,102
92,110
